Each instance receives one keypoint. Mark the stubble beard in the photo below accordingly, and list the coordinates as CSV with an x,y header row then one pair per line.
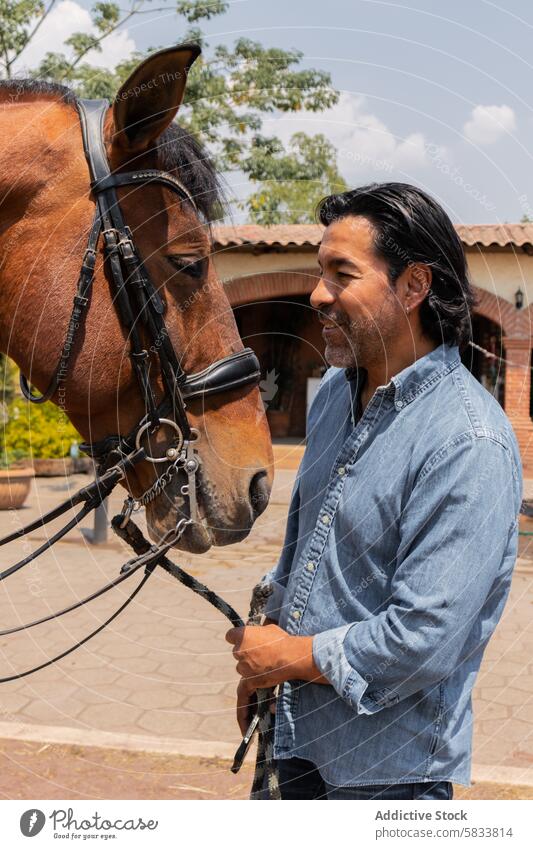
x,y
364,340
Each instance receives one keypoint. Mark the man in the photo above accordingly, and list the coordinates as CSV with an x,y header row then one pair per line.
x,y
402,529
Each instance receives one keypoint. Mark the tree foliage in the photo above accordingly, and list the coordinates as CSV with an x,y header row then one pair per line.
x,y
292,181
230,90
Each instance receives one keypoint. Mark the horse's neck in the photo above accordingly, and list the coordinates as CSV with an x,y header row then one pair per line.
x,y
16,191
34,169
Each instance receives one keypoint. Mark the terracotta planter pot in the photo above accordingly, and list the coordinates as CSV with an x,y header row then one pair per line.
x,y
278,422
52,467
15,486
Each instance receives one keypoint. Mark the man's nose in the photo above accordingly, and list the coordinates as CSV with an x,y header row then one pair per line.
x,y
321,295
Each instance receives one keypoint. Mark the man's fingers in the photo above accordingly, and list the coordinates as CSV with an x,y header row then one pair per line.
x,y
234,635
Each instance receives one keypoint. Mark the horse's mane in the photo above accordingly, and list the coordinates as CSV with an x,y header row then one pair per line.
x,y
178,149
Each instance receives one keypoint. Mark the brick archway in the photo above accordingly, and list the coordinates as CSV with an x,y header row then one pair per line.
x,y
262,287
514,323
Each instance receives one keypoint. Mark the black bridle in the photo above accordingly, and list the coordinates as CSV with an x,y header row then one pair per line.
x,y
139,306
137,302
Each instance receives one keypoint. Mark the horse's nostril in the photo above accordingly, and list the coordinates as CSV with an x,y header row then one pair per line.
x,y
259,492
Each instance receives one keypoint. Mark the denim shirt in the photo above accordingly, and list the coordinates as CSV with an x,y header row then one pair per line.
x,y
400,544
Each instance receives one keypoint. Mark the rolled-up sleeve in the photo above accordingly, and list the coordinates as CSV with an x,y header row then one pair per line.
x,y
458,538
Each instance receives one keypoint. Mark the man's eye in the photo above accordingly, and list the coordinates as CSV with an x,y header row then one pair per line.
x,y
187,265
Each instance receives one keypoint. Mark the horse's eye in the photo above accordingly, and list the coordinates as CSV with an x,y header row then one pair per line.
x,y
189,265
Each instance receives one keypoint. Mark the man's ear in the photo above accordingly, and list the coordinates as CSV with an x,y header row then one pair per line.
x,y
419,283
148,101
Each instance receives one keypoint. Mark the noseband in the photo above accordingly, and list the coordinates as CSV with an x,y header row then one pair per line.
x,y
139,304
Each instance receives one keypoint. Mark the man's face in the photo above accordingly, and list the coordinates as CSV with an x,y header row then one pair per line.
x,y
361,313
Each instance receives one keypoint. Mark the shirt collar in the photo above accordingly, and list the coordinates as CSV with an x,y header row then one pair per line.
x,y
413,379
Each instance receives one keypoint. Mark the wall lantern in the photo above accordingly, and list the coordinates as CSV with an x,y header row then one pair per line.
x,y
519,299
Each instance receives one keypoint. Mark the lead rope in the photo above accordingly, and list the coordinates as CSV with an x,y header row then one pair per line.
x,y
264,761
264,765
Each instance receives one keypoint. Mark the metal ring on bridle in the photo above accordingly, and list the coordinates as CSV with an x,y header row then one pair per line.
x,y
171,452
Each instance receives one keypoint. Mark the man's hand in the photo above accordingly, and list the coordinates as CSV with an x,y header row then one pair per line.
x,y
267,656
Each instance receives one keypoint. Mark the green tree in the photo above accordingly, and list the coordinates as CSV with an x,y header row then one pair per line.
x,y
291,182
230,90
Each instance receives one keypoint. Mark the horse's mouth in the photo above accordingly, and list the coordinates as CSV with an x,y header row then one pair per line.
x,y
198,537
211,527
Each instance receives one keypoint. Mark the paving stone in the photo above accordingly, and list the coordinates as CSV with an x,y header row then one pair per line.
x,y
57,690
201,688
105,695
136,665
133,684
156,698
166,724
225,661
206,704
125,649
54,713
206,647
524,683
524,711
488,679
211,727
10,703
103,675
114,716
491,710
179,671
503,695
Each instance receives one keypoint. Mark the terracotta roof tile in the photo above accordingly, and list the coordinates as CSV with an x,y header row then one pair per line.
x,y
496,234
301,235
255,234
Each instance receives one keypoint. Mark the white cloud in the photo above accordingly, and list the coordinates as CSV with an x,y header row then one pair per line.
x,y
69,17
364,142
487,124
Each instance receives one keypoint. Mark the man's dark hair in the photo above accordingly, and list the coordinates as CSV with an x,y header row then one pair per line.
x,y
412,227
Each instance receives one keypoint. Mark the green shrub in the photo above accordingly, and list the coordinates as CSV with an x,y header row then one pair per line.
x,y
29,430
34,431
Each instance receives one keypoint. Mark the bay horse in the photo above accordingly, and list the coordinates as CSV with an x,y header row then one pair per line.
x,y
47,208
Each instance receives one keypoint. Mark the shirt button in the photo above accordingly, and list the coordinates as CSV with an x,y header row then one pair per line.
x,y
310,565
325,519
399,405
296,614
341,470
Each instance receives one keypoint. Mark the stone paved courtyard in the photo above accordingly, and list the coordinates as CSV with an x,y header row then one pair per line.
x,y
163,671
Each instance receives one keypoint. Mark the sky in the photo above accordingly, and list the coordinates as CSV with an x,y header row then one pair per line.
x,y
431,93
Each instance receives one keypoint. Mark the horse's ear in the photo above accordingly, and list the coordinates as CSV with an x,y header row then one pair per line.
x,y
148,101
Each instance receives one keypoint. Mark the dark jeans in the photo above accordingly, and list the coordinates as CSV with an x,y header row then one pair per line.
x,y
300,779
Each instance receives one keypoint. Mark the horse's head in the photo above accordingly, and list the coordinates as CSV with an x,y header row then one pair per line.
x,y
46,211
